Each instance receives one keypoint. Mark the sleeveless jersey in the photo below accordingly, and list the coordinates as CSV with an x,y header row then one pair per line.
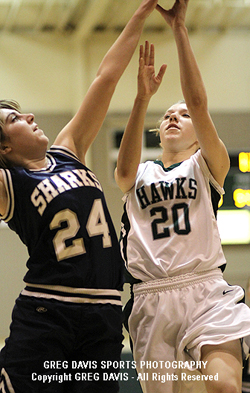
x,y
169,223
60,214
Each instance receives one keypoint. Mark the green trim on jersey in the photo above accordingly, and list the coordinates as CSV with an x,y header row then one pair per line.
x,y
159,162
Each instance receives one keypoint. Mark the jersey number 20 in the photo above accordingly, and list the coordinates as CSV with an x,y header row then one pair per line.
x,y
159,229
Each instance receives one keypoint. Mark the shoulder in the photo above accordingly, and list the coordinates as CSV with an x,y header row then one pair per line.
x,y
143,170
62,151
199,160
145,166
3,194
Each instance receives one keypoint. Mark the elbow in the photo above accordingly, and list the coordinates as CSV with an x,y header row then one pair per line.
x,y
107,77
124,182
197,101
120,179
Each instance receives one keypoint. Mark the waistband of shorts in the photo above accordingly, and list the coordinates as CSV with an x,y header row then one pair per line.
x,y
176,282
73,295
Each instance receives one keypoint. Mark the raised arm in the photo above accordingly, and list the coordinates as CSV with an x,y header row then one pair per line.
x,y
130,150
212,148
80,132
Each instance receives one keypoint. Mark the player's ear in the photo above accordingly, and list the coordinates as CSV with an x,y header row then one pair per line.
x,y
4,149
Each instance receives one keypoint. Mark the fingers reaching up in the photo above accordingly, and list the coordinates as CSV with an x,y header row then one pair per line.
x,y
148,81
176,14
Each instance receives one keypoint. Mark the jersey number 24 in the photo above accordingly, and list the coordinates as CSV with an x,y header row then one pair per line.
x,y
96,226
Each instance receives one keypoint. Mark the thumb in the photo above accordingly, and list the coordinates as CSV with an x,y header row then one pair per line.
x,y
161,72
160,9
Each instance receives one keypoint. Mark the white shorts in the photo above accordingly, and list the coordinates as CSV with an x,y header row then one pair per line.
x,y
173,318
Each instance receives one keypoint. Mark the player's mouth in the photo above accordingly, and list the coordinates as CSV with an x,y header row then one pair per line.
x,y
172,125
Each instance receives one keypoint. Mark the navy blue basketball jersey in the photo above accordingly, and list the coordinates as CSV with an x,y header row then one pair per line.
x,y
60,214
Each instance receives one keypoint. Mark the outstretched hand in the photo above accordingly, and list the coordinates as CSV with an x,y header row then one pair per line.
x,y
147,6
148,82
175,15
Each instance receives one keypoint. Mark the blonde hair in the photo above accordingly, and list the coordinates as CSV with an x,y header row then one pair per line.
x,y
12,105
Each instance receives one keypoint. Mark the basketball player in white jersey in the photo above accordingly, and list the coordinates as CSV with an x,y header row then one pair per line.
x,y
183,309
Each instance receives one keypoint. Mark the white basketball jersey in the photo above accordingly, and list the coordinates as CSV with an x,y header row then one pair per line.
x,y
169,226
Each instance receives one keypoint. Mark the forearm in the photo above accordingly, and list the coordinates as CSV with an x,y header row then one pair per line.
x,y
130,150
212,148
121,52
80,132
191,80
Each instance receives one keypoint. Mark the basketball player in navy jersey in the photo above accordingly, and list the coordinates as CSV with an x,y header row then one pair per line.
x,y
67,319
186,322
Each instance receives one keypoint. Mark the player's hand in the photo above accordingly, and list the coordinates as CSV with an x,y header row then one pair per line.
x,y
148,82
176,15
147,6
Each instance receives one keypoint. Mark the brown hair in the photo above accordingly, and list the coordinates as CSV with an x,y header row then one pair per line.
x,y
12,105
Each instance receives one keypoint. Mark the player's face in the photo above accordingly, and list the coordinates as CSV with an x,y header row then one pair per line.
x,y
22,133
176,130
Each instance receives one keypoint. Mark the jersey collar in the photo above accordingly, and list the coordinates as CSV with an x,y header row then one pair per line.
x,y
159,162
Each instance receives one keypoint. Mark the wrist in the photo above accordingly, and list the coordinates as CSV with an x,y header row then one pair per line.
x,y
143,12
142,98
179,25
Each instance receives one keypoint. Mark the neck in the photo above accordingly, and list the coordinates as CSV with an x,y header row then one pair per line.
x,y
37,164
169,159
